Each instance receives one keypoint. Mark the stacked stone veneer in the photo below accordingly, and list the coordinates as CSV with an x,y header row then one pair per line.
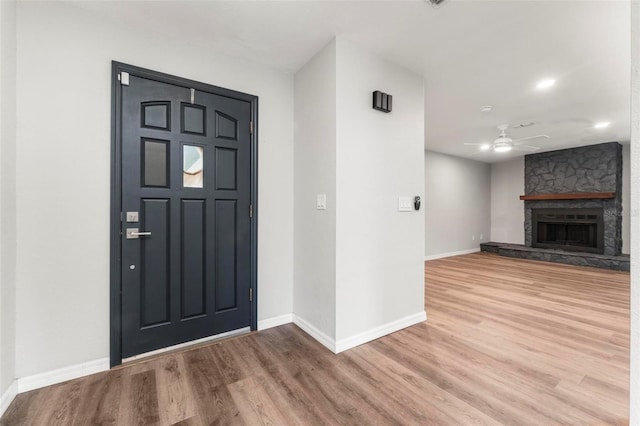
x,y
594,168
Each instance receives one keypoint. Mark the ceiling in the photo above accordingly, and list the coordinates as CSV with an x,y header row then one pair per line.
x,y
472,53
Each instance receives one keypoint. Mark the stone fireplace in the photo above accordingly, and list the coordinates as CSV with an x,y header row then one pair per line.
x,y
572,208
573,199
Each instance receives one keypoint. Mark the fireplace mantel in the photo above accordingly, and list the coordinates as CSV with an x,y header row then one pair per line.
x,y
570,196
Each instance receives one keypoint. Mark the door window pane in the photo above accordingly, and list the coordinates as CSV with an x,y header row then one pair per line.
x,y
155,163
192,166
193,119
156,115
226,126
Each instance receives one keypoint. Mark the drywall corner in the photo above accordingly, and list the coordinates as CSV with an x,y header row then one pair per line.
x,y
457,204
507,210
314,291
379,158
634,384
7,197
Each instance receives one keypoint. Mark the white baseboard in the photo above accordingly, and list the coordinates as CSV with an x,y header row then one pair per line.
x,y
60,375
453,253
325,340
383,330
358,339
275,321
8,396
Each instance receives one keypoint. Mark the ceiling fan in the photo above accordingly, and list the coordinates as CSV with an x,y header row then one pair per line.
x,y
505,144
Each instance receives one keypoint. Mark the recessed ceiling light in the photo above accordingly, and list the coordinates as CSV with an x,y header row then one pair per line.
x,y
601,125
486,108
545,84
485,147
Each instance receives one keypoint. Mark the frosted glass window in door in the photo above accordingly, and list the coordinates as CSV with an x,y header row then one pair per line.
x,y
192,166
155,165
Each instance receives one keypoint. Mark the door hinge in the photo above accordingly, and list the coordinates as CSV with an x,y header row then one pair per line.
x,y
124,78
250,295
250,210
251,127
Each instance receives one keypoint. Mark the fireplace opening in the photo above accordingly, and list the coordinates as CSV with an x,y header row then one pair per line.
x,y
569,229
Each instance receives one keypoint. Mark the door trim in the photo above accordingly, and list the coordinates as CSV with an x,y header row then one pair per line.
x,y
116,192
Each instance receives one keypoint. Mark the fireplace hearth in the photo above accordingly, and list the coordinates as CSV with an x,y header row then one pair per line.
x,y
569,229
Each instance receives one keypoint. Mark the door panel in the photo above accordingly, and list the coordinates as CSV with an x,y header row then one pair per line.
x,y
226,290
186,170
154,254
226,169
193,291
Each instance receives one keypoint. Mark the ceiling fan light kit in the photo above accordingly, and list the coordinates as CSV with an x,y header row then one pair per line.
x,y
504,143
545,84
503,147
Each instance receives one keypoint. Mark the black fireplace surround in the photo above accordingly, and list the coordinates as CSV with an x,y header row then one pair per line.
x,y
568,229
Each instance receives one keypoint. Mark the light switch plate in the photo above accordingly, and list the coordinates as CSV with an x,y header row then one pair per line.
x,y
405,204
321,202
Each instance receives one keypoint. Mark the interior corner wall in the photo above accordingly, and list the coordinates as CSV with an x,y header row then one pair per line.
x,y
7,193
314,292
64,56
457,204
380,263
507,210
634,384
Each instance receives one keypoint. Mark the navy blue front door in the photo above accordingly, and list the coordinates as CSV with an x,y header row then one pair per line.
x,y
186,194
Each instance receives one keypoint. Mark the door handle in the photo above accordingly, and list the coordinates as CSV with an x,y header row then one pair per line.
x,y
134,233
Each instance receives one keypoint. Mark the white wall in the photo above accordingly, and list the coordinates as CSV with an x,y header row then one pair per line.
x,y
380,270
63,174
507,210
634,385
457,204
314,298
7,194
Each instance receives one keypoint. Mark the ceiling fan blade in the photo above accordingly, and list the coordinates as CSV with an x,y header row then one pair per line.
x,y
517,141
526,148
521,125
475,144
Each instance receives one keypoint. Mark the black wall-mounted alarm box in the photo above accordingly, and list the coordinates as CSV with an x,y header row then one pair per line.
x,y
382,101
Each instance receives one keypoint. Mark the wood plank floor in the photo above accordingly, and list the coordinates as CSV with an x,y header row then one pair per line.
x,y
507,342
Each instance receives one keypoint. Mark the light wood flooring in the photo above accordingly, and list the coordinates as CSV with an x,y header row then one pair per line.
x,y
507,341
